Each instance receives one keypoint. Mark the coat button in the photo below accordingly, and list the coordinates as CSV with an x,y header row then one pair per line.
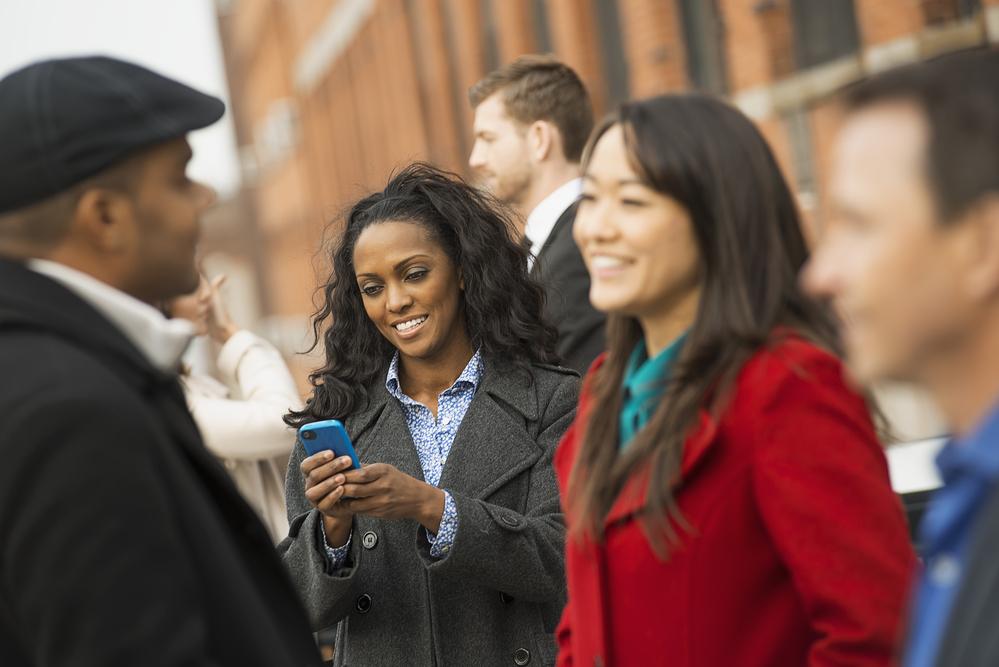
x,y
506,599
369,540
521,656
511,521
363,604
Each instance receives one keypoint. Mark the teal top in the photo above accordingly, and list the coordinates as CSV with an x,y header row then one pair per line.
x,y
644,383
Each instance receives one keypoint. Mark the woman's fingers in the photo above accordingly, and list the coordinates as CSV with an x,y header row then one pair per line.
x,y
367,505
310,463
369,473
361,490
331,501
327,497
321,467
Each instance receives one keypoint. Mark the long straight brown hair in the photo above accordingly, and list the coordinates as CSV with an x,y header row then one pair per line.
x,y
710,158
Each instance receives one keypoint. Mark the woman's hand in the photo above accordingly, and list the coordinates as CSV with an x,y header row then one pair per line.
x,y
220,326
383,491
324,489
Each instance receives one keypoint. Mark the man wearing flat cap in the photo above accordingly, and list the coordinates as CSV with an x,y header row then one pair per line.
x,y
122,541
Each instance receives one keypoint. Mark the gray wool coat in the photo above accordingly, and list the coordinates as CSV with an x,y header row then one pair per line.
x,y
497,596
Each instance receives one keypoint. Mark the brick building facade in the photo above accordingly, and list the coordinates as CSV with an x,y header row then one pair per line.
x,y
331,95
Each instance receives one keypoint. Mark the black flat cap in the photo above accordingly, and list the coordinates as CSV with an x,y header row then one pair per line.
x,y
64,120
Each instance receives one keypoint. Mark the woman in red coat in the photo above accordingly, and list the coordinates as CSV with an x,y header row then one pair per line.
x,y
727,499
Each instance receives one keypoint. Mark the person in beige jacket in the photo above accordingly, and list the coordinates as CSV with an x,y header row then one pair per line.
x,y
240,413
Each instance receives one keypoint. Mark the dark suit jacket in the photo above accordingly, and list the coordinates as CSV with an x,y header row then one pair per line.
x,y
560,268
500,590
971,639
122,540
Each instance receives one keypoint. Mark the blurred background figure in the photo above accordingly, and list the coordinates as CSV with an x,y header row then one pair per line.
x,y
532,118
911,262
240,413
721,468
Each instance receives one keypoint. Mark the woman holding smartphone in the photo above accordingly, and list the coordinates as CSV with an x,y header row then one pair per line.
x,y
727,499
446,546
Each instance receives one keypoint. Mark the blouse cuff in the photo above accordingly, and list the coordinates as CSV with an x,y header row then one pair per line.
x,y
335,556
440,544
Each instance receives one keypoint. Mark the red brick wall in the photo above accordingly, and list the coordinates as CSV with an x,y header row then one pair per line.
x,y
654,46
574,35
398,92
885,20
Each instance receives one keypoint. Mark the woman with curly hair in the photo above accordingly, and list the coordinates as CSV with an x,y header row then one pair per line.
x,y
446,546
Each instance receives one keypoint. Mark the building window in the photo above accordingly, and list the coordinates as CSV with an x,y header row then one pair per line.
x,y
612,51
824,30
704,36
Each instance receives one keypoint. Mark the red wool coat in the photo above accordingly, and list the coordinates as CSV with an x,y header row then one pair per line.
x,y
798,553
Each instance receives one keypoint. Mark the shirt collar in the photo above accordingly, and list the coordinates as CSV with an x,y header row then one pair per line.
x,y
542,219
643,375
469,378
975,454
161,341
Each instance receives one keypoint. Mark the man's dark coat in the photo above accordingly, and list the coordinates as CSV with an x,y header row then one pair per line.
x,y
122,540
560,268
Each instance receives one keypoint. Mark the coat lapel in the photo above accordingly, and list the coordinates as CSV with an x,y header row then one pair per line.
x,y
631,500
31,300
170,405
562,226
380,434
494,443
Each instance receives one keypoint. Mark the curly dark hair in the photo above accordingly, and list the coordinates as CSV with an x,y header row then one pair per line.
x,y
502,304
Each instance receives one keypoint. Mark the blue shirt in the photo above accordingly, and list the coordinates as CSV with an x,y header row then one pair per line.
x,y
433,439
969,468
643,386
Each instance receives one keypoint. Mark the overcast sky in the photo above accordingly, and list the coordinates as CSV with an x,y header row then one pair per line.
x,y
178,38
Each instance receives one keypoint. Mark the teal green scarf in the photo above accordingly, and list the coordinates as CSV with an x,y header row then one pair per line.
x,y
644,383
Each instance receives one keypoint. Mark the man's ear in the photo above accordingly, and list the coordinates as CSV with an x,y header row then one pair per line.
x,y
104,219
541,140
981,247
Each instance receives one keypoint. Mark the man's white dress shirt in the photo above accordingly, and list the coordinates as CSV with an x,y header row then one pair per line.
x,y
542,219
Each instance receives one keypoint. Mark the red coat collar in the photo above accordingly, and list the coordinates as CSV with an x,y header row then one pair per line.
x,y
631,500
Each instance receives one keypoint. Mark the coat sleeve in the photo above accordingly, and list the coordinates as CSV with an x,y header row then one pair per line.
x,y
821,483
518,554
326,593
249,428
95,570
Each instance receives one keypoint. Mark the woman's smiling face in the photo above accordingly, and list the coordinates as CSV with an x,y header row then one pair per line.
x,y
410,288
638,243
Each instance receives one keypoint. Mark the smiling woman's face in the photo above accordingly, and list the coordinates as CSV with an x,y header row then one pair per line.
x,y
410,289
638,243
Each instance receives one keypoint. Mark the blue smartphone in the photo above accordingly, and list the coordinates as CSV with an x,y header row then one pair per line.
x,y
329,434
